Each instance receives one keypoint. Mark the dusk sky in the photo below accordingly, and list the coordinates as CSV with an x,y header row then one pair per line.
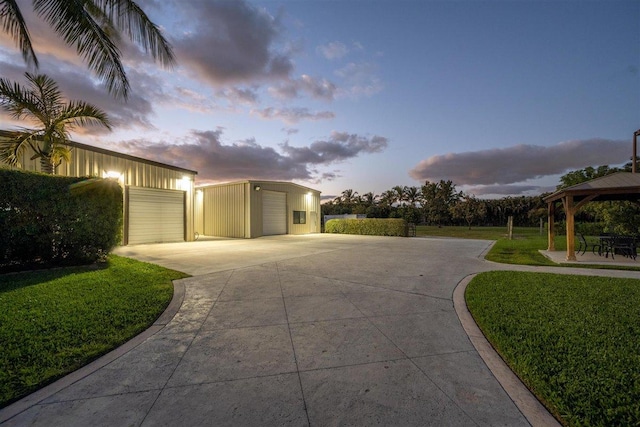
x,y
501,97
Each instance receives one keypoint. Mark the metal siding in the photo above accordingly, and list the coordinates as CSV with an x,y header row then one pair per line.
x,y
227,219
85,162
224,210
274,213
155,215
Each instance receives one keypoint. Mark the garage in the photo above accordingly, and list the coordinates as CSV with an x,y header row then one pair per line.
x,y
274,213
252,208
154,215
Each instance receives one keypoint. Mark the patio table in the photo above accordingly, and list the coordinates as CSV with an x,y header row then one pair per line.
x,y
625,245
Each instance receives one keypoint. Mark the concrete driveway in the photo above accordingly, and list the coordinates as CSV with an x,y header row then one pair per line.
x,y
294,330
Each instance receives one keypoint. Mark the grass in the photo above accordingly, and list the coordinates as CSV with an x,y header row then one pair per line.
x,y
522,249
53,322
573,340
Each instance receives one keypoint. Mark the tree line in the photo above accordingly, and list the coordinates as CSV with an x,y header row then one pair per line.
x,y
439,203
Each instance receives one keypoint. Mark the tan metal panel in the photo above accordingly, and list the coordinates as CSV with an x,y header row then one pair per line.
x,y
134,172
224,210
249,213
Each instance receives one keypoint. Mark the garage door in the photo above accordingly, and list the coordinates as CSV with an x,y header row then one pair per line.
x,y
155,215
274,213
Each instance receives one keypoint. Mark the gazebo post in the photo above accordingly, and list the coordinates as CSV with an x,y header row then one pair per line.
x,y
551,234
570,212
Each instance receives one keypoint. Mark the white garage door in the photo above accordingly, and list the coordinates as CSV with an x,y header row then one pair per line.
x,y
274,213
155,215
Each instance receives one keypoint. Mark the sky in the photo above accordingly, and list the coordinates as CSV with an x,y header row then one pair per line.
x,y
500,97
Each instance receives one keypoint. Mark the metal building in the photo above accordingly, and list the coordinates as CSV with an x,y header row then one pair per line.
x,y
249,209
158,198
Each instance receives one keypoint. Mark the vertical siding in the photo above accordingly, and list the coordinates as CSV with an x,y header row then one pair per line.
x,y
224,210
235,209
298,199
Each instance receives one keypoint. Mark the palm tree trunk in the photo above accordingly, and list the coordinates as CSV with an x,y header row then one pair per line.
x,y
46,166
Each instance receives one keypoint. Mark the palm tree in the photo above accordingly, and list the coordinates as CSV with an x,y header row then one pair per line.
x,y
349,196
42,103
412,195
93,27
400,193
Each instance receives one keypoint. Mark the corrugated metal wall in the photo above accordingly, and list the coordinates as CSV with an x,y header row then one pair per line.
x,y
235,209
224,210
85,162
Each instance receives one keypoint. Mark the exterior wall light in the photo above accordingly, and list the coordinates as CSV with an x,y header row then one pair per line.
x,y
256,187
111,174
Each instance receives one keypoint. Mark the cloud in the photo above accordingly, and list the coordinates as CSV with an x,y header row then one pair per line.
x,y
333,50
520,162
318,88
216,161
292,115
239,96
340,146
505,190
360,79
231,42
76,84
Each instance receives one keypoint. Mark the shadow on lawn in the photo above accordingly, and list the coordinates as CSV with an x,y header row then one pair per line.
x,y
20,279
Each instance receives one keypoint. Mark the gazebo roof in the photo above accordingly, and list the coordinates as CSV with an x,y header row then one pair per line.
x,y
617,186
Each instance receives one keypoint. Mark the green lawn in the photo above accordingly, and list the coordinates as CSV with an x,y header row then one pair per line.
x,y
573,340
53,322
521,249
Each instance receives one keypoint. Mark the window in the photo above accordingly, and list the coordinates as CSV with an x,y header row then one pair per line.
x,y
299,217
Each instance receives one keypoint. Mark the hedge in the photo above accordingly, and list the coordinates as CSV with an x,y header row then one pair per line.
x,y
49,221
369,226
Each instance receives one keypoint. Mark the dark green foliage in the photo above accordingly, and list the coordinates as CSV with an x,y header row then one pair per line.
x,y
369,226
48,221
54,321
572,339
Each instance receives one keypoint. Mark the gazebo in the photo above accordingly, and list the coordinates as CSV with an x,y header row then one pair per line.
x,y
617,186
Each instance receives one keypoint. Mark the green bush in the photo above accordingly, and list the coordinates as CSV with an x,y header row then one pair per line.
x,y
369,226
590,228
48,221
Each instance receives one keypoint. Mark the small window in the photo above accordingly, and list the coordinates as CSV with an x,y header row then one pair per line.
x,y
299,217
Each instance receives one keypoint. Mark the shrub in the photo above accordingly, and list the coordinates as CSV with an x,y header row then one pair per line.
x,y
48,221
369,226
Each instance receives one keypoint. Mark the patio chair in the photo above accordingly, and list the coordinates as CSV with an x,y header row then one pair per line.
x,y
584,245
623,245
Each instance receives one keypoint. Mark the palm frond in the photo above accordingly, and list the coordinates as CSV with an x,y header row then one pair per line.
x,y
13,24
79,113
71,20
59,153
12,149
17,100
131,19
44,104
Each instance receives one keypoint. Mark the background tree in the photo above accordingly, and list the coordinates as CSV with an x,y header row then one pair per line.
x,y
93,27
469,209
42,104
620,217
586,174
437,197
399,193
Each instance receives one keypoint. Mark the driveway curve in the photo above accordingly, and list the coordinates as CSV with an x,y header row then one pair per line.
x,y
298,330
